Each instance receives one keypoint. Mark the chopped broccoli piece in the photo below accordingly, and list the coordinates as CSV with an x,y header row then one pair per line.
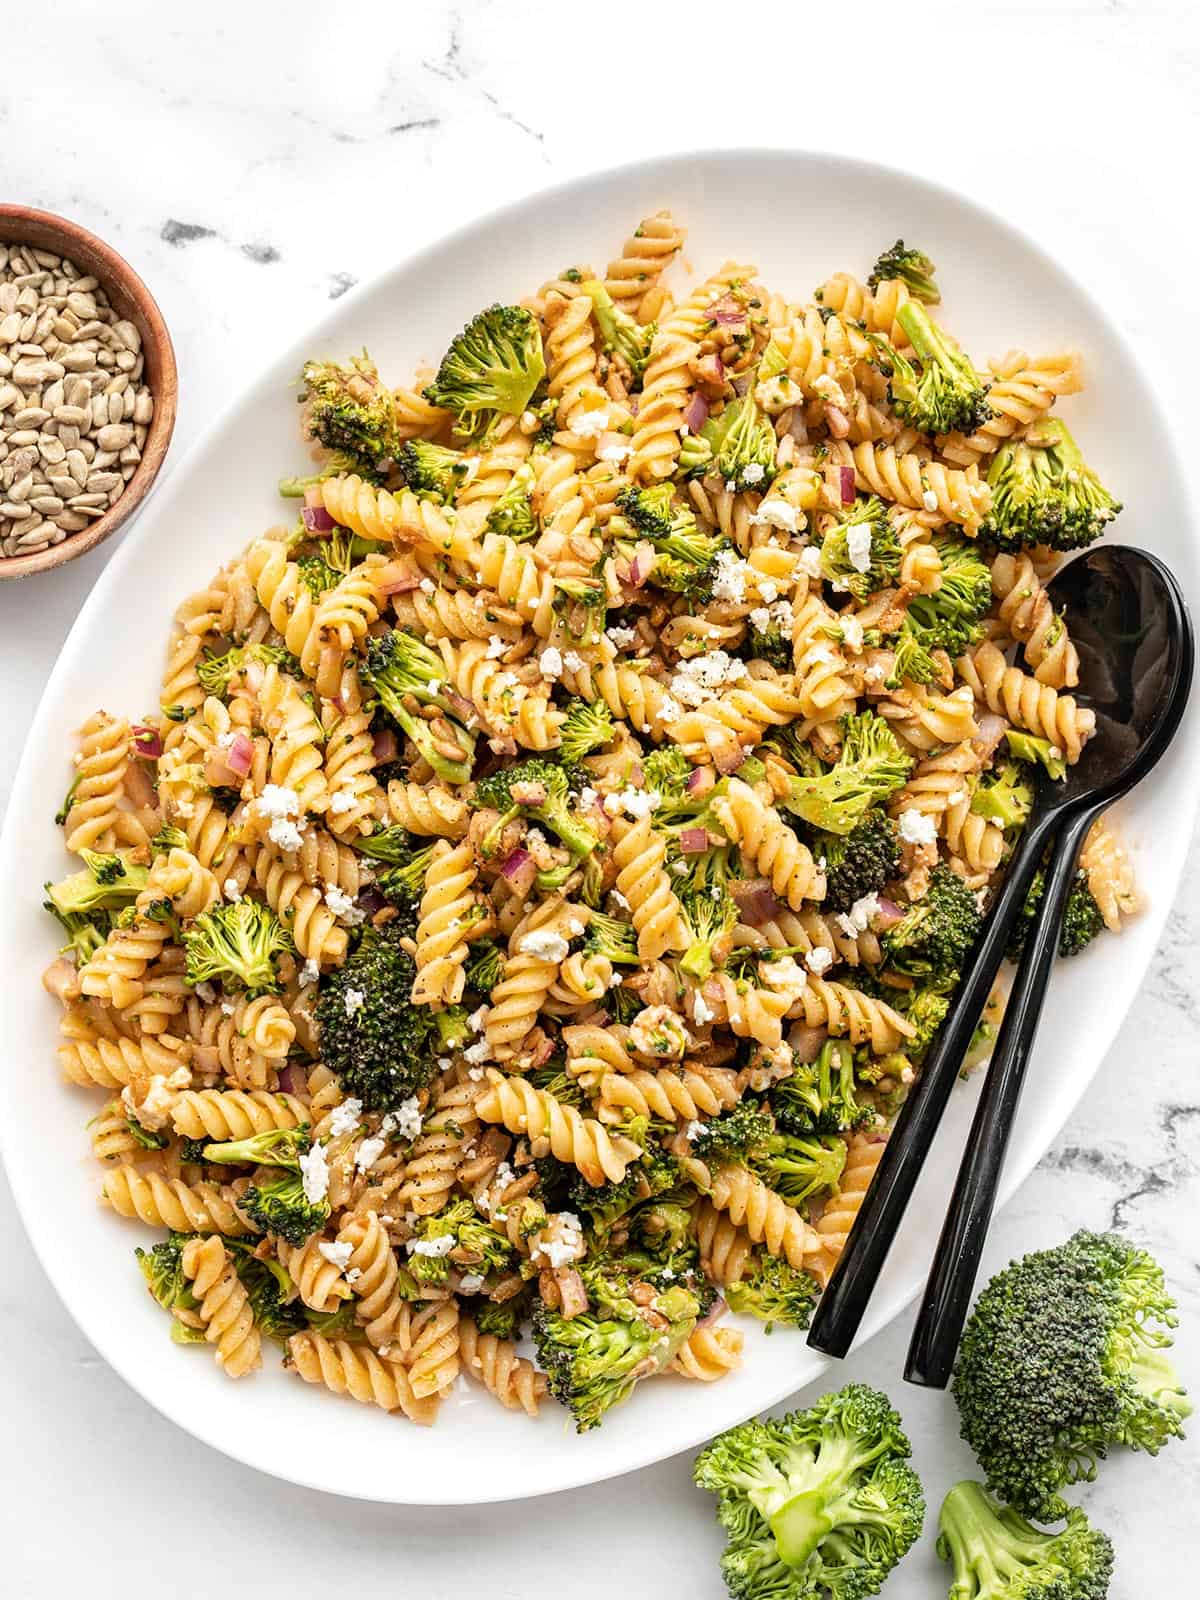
x,y
997,1555
107,882
1028,747
432,471
774,1292
710,915
607,936
817,1502
934,936
861,551
798,1167
618,331
819,1097
512,513
950,619
475,1244
946,394
685,557
667,769
540,790
926,1009
1005,796
404,884
1063,1357
587,726
1044,492
485,968
735,1134
162,1268
913,268
216,671
1082,921
858,863
351,411
873,764
237,945
383,1049
400,668
490,371
740,445
276,1205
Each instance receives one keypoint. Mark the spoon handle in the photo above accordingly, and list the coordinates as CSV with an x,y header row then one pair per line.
x,y
845,1299
951,1279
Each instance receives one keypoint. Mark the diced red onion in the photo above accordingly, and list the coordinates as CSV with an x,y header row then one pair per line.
x,y
714,1312
240,754
741,383
371,899
396,580
991,731
515,862
641,566
797,426
700,781
541,1053
458,703
317,520
218,774
147,742
726,311
846,477
806,1043
292,1080
839,424
696,414
756,900
693,841
888,915
384,746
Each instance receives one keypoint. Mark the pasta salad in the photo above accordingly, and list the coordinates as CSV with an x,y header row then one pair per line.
x,y
504,950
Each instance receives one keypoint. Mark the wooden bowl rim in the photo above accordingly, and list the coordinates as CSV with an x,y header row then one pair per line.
x,y
162,426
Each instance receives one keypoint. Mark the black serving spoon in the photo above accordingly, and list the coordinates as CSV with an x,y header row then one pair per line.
x,y
1127,617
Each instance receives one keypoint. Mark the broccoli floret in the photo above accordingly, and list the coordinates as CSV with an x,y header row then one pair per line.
x,y
1028,747
800,1166
272,1294
108,882
926,1009
684,557
735,1134
860,862
872,764
819,1096
490,371
587,726
654,1173
710,915
935,934
997,1555
237,945
913,268
541,791
395,846
382,1047
504,1319
400,669
1044,492
950,619
162,1268
608,936
433,471
861,551
216,671
85,934
485,968
592,1363
1063,1357
316,574
475,1244
740,445
1082,920
943,393
351,411
1005,796
774,1292
667,769
336,465
512,513
275,1205
817,1502
404,882
618,331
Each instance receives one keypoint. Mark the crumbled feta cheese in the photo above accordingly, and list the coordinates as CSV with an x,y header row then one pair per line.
x,y
929,500
309,973
618,899
818,960
669,709
314,1174
354,1000
633,802
344,1118
430,1247
427,586
760,619
341,801
729,582
496,647
1054,753
231,891
858,546
621,638
544,944
227,1008
477,1019
956,797
768,588
550,662
470,1282
785,975
343,906
478,1052
852,633
693,1130
698,679
810,561
369,1152
405,1120
777,514
916,828
859,917
338,1254
153,1110
560,1241
573,661
285,834
615,452
702,1012
755,472
874,674
276,801
590,424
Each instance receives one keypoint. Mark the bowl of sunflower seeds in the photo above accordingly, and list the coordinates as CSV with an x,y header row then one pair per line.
x,y
88,389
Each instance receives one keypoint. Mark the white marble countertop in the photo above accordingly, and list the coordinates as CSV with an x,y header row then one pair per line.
x,y
255,162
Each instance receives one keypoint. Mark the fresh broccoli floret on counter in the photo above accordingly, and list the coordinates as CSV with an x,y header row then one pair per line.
x,y
997,1555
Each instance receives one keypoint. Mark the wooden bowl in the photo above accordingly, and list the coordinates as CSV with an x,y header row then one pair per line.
x,y
131,299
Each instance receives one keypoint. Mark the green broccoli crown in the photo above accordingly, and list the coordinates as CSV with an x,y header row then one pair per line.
x,y
668,770
934,936
404,882
394,846
943,393
350,410
655,513
85,934
1061,1359
774,1292
1028,747
710,915
1082,920
859,863
107,882
216,671
618,331
588,725
277,1147
912,661
592,1363
433,471
504,1319
485,968
872,765
540,790
280,1206
816,1502
512,513
950,619
316,574
1005,796
913,268
734,1135
799,1167
474,1244
401,669
162,1268
1044,492
926,1009
610,937
820,1096
274,1304
997,1555
654,1173
490,370
740,445
861,550
382,1047
237,945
